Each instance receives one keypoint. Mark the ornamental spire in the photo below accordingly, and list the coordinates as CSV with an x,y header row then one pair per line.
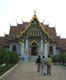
x,y
22,20
35,12
16,20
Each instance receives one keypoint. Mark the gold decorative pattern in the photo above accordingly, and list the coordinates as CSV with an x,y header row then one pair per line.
x,y
21,41
35,42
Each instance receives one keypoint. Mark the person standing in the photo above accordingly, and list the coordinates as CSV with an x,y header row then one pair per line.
x,y
49,61
38,62
43,66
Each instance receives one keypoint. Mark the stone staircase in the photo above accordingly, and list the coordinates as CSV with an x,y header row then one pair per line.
x,y
28,58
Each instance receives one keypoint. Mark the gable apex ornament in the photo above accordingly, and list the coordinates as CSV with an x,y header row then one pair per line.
x,y
35,12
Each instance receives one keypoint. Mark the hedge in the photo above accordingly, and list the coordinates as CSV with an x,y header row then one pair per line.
x,y
8,58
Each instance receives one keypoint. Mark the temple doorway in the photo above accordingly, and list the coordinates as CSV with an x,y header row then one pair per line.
x,y
34,50
51,50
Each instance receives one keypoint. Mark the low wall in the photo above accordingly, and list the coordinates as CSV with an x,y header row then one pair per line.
x,y
5,75
28,58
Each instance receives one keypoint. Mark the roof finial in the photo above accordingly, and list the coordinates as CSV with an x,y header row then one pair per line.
x,y
22,20
16,20
10,25
34,12
43,21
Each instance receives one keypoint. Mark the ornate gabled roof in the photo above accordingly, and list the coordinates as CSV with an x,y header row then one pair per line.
x,y
19,29
51,31
61,43
12,28
22,28
34,17
26,25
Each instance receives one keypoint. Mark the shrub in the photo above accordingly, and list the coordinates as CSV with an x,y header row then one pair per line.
x,y
64,56
8,56
61,58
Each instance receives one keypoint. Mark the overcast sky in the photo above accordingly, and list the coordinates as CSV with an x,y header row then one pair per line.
x,y
52,12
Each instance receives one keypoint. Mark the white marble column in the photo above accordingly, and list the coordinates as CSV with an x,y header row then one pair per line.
x,y
54,49
18,49
22,49
41,53
27,47
46,50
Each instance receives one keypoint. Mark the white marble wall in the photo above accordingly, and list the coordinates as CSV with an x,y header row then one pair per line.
x,y
18,48
10,47
43,49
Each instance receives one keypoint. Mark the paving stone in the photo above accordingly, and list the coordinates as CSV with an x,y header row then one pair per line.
x,y
28,71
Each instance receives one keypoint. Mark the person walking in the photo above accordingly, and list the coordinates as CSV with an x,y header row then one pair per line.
x,y
43,66
38,62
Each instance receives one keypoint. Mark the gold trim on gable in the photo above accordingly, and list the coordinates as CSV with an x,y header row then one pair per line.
x,y
21,41
28,25
35,42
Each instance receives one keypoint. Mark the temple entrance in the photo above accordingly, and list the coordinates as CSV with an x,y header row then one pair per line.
x,y
51,50
34,50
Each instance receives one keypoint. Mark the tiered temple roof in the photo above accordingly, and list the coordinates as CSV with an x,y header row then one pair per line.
x,y
16,30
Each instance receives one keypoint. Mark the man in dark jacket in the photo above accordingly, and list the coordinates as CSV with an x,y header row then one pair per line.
x,y
38,61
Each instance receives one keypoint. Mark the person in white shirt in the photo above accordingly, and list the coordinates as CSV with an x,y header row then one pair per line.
x,y
43,66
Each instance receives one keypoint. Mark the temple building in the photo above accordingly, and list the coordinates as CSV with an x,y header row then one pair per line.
x,y
33,38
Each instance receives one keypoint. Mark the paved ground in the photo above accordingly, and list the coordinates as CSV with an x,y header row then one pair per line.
x,y
27,71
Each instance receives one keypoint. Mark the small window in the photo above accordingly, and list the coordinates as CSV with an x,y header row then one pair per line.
x,y
14,48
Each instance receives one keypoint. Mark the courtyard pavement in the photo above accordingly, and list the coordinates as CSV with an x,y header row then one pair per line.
x,y
27,71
